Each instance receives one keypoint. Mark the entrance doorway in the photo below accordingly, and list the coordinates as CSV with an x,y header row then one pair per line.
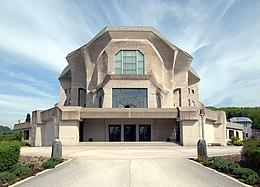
x,y
129,133
114,133
144,132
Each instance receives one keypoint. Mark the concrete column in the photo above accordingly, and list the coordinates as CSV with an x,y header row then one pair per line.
x,y
137,132
122,132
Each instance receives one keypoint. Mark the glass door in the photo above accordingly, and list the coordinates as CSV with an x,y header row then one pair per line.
x,y
114,133
144,132
130,133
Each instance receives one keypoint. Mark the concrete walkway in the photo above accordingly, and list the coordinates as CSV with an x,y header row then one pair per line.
x,y
130,164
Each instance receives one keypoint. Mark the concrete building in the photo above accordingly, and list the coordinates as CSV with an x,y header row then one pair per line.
x,y
128,84
234,130
246,122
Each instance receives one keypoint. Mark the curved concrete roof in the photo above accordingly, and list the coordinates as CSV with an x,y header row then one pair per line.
x,y
133,29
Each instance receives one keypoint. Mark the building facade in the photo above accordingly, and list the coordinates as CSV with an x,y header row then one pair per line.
x,y
234,130
128,84
246,122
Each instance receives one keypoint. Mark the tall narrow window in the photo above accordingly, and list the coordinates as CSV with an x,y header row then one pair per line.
x,y
129,62
158,100
100,96
82,97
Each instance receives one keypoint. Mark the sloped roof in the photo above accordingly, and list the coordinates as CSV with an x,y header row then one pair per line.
x,y
238,126
130,28
240,119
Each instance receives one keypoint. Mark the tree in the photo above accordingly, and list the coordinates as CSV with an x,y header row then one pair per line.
x,y
28,118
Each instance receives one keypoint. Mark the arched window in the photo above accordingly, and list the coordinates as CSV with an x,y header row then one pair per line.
x,y
100,96
158,100
129,62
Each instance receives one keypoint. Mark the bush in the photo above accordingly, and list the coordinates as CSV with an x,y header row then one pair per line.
x,y
247,175
12,137
230,167
21,171
238,143
51,163
24,143
48,164
7,177
251,154
9,154
233,139
56,160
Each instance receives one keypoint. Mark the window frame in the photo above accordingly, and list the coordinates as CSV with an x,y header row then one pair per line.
x,y
136,64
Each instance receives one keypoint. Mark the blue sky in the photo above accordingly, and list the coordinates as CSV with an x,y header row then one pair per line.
x,y
35,36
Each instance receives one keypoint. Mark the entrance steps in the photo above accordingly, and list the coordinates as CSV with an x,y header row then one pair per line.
x,y
127,144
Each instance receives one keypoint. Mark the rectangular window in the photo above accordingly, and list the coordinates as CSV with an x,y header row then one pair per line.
x,y
129,62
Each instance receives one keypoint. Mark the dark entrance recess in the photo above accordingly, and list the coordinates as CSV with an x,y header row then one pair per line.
x,y
178,134
144,132
114,133
81,130
130,133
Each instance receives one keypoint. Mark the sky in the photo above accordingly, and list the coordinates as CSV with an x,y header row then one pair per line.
x,y
223,36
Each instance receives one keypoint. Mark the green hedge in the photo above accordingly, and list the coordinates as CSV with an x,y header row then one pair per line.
x,y
51,163
251,154
246,175
21,171
7,178
9,154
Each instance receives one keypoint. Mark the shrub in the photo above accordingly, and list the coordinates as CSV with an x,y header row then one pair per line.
x,y
22,171
247,175
9,154
12,136
24,143
7,177
227,166
56,160
52,162
233,139
48,164
238,143
251,154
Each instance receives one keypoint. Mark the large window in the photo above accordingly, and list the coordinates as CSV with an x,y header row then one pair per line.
x,y
129,62
129,97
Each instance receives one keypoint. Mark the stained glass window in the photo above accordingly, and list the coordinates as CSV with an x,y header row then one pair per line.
x,y
129,97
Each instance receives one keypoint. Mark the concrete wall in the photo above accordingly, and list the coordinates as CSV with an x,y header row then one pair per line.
x,y
163,129
95,129
190,132
69,132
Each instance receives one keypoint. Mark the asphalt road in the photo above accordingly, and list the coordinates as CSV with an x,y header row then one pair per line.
x,y
132,164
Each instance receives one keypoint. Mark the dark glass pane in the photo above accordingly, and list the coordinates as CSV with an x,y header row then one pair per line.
x,y
145,133
114,133
130,133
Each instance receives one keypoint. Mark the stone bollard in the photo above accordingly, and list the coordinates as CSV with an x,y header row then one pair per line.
x,y
202,150
56,149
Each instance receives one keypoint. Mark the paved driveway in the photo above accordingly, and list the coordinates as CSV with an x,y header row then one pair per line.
x,y
132,164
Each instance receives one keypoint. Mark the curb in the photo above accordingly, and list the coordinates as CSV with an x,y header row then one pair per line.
x,y
39,173
222,174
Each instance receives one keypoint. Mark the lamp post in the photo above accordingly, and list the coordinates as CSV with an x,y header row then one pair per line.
x,y
201,145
